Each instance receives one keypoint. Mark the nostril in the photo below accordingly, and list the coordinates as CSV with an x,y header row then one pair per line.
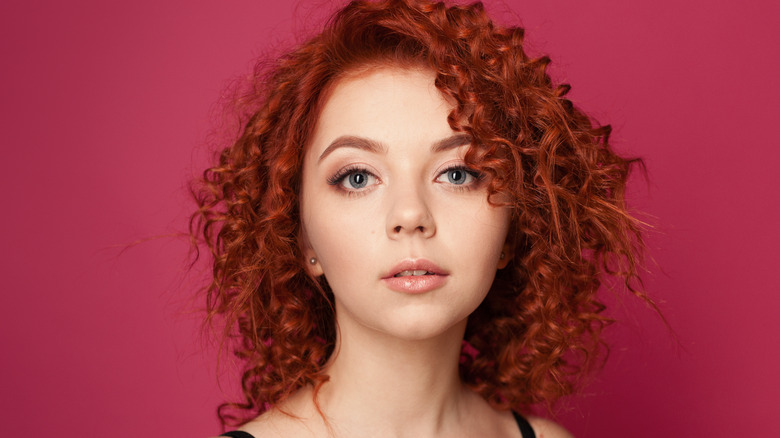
x,y
399,228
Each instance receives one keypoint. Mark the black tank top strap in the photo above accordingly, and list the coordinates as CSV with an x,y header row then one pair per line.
x,y
525,427
239,434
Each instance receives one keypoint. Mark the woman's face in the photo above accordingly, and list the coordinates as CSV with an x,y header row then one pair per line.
x,y
400,228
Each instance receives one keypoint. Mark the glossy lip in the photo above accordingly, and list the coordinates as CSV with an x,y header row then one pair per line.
x,y
415,284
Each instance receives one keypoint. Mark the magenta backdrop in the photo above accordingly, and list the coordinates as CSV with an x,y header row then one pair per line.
x,y
106,108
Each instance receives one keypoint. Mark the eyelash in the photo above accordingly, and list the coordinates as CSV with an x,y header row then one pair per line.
x,y
478,176
338,178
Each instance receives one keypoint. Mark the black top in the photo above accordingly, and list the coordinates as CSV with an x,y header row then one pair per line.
x,y
525,429
522,423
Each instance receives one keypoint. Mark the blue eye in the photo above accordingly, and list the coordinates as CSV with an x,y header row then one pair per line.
x,y
353,179
458,176
356,180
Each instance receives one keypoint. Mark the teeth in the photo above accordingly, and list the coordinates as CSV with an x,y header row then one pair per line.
x,y
410,273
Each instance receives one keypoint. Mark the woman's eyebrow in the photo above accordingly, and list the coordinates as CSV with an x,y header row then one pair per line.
x,y
350,141
451,142
366,144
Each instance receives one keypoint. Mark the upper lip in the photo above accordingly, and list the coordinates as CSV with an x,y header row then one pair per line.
x,y
415,265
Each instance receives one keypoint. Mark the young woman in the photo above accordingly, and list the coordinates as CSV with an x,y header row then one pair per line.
x,y
409,233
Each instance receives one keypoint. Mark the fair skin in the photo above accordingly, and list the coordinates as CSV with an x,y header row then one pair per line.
x,y
403,233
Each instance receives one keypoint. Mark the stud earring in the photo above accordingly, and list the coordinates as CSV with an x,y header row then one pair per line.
x,y
312,260
502,256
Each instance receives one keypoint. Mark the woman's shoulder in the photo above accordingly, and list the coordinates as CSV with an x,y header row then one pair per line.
x,y
275,423
267,425
236,434
544,428
293,418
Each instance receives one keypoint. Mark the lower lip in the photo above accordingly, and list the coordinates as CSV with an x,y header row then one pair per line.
x,y
415,284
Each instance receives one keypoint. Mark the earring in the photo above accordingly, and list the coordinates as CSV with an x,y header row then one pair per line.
x,y
502,256
313,261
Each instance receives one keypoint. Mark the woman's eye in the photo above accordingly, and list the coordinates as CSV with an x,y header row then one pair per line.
x,y
458,176
356,180
353,179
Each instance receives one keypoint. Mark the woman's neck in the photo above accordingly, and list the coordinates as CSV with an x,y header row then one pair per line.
x,y
384,386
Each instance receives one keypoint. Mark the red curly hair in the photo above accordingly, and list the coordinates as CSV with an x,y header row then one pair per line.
x,y
540,325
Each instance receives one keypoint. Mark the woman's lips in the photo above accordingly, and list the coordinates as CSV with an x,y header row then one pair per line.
x,y
415,284
415,277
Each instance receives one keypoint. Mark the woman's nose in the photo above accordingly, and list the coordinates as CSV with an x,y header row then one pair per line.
x,y
409,215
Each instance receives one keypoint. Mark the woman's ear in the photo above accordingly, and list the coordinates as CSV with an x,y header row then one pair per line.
x,y
312,263
505,257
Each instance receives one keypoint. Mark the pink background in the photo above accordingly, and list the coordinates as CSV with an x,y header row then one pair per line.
x,y
106,108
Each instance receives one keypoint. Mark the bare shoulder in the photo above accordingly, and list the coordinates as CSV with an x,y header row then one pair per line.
x,y
545,428
276,424
294,418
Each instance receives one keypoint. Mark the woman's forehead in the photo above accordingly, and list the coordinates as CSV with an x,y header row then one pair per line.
x,y
394,104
